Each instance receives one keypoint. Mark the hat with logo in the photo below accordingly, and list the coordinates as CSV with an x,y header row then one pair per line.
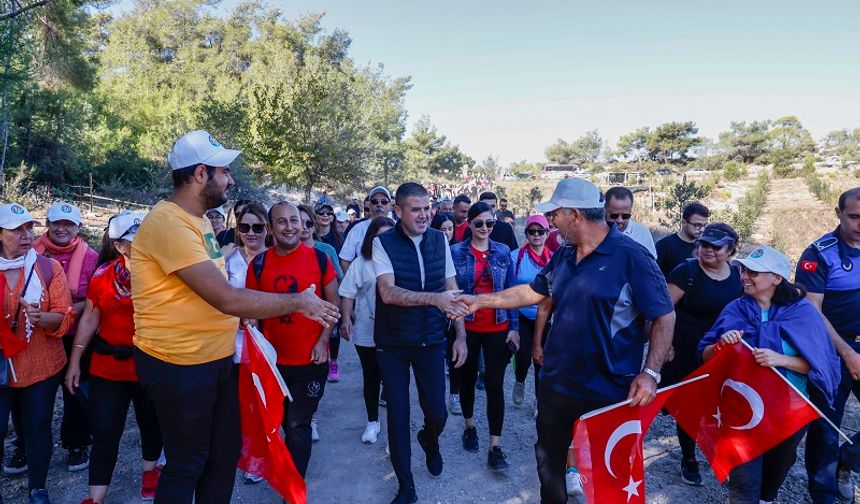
x,y
322,203
61,211
537,219
124,225
573,193
13,215
764,259
340,215
716,237
219,209
378,190
199,147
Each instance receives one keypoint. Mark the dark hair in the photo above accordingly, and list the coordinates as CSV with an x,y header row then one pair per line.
x,y
787,293
477,209
462,198
725,228
440,219
259,211
596,214
619,193
310,211
375,225
695,209
486,195
503,200
183,176
853,193
107,252
273,207
408,190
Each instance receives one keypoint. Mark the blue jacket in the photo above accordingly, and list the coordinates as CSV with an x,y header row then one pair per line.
x,y
800,324
499,257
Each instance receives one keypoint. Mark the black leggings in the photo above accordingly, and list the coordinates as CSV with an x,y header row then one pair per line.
x,y
372,380
496,357
453,373
108,408
334,344
524,354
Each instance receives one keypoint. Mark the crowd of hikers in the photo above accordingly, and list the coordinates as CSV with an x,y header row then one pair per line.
x,y
436,288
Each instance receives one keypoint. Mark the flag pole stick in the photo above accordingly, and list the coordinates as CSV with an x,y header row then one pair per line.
x,y
822,415
628,401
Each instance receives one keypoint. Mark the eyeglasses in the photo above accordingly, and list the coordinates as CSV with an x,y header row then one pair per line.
x,y
246,228
479,224
750,273
536,231
309,224
382,202
325,214
215,216
699,225
624,216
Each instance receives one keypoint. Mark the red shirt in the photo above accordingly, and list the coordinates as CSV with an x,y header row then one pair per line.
x,y
293,335
460,231
552,241
485,319
116,324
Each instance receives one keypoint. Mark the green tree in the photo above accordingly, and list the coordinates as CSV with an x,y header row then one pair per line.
x,y
789,141
672,142
747,143
430,153
634,145
585,149
681,194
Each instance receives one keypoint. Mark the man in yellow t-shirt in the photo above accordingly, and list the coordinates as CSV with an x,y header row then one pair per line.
x,y
186,316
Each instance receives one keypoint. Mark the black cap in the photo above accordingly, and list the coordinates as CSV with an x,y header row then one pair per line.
x,y
716,237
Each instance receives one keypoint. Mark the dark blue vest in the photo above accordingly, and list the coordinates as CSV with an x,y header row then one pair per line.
x,y
413,325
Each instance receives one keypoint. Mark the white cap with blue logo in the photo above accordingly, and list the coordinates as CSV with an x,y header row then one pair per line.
x,y
13,215
199,147
62,211
764,259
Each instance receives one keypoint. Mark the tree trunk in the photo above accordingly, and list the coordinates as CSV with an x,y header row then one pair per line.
x,y
309,187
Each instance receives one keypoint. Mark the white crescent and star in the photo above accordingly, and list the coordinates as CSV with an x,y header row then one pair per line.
x,y
628,428
751,396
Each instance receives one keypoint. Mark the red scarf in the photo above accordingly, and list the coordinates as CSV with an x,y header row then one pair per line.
x,y
541,260
78,247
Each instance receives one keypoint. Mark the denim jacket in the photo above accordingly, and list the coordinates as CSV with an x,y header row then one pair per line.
x,y
499,257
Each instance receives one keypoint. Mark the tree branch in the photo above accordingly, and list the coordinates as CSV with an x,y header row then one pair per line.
x,y
21,10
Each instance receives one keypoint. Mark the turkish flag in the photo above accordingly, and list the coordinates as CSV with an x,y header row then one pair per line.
x,y
740,411
261,405
10,342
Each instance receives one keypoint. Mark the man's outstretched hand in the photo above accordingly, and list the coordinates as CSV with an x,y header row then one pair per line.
x,y
468,302
448,302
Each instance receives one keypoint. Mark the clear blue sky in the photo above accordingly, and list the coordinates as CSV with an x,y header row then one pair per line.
x,y
509,77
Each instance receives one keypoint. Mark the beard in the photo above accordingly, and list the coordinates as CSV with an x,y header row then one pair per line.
x,y
211,196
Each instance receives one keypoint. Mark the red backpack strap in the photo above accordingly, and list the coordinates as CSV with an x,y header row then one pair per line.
x,y
46,268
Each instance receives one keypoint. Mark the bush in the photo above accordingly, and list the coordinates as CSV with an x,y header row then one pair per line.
x,y
784,170
819,188
734,170
750,207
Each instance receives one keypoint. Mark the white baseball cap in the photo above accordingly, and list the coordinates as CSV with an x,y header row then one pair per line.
x,y
573,193
764,259
199,147
219,209
13,215
340,215
61,210
124,225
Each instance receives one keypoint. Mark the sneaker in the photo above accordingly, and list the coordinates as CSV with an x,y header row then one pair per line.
x,y
79,458
519,393
251,479
496,459
39,496
574,481
371,433
844,485
480,383
333,372
315,433
148,484
431,450
454,404
470,439
405,496
17,463
690,472
382,402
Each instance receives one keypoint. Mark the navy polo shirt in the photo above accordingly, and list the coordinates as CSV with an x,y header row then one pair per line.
x,y
832,267
597,340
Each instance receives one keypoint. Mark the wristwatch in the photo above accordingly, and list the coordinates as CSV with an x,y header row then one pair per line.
x,y
653,374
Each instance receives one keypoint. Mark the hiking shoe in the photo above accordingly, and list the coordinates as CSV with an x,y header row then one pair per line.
x,y
78,459
405,496
844,485
519,393
39,496
574,481
251,479
690,472
315,433
17,463
148,483
479,385
470,439
454,404
496,459
371,433
333,372
431,450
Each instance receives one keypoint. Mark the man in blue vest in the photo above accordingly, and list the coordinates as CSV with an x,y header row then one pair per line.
x,y
416,291
830,271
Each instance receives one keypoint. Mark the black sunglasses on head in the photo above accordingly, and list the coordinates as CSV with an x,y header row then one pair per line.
x,y
479,224
257,228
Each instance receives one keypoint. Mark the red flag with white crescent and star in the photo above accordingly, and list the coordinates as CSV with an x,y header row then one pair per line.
x,y
741,411
261,404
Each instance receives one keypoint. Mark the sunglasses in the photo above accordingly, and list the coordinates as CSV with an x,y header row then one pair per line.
x,y
615,216
479,224
379,202
325,214
710,245
257,228
309,224
536,231
750,273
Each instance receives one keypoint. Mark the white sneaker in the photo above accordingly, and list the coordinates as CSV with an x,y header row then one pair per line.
x,y
454,404
371,432
573,481
519,393
315,434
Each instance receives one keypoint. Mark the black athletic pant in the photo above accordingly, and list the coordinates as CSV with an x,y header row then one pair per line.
x,y
496,358
453,373
334,344
760,478
524,354
108,404
372,380
688,444
198,413
306,384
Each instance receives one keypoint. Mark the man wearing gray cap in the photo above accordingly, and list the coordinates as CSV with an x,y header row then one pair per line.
x,y
604,287
186,315
380,206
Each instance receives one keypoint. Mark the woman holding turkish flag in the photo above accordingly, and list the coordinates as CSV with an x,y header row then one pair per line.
x,y
37,308
787,333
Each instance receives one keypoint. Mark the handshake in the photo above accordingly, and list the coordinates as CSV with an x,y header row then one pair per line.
x,y
455,304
